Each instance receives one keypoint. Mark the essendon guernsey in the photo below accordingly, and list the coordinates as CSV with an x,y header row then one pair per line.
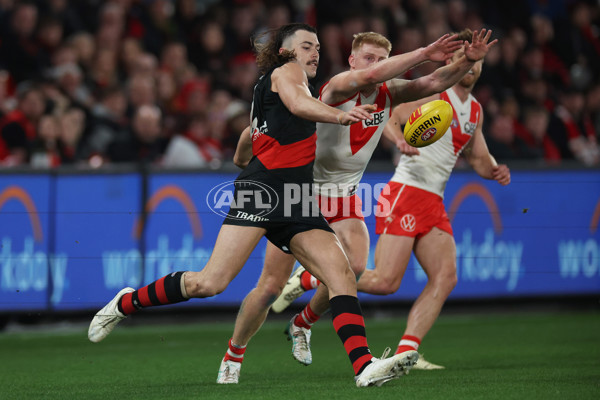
x,y
281,142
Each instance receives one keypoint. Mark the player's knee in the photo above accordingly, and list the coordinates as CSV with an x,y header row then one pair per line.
x,y
269,290
446,278
339,275
358,268
388,287
204,287
384,285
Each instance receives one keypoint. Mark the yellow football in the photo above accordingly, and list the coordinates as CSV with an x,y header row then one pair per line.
x,y
428,123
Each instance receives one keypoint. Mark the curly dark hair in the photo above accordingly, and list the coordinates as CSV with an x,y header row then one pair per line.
x,y
267,52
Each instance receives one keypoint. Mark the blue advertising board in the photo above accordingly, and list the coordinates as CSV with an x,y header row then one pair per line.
x,y
26,261
182,229
537,236
94,236
70,242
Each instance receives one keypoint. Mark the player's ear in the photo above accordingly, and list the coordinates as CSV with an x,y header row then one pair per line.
x,y
281,50
351,60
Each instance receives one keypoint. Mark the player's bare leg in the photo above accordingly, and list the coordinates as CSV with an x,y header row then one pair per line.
x,y
440,267
392,254
254,310
322,255
255,307
223,265
354,236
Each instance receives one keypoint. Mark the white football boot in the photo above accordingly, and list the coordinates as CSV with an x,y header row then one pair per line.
x,y
291,291
383,370
423,364
300,338
229,372
107,318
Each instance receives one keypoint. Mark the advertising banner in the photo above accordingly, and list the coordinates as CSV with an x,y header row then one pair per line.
x,y
537,236
96,217
70,242
26,261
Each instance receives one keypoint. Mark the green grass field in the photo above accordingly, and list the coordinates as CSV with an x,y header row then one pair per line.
x,y
496,356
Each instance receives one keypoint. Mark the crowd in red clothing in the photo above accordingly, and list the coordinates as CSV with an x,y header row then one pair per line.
x,y
166,82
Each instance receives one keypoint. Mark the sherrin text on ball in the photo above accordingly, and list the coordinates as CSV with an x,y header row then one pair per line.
x,y
428,123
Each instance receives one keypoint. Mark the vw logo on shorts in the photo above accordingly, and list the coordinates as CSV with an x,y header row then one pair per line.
x,y
408,222
251,201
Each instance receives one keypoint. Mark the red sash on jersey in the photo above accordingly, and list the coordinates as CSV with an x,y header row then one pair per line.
x,y
274,155
359,134
459,139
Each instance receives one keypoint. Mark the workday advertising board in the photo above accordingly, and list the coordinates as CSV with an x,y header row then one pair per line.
x,y
538,236
70,242
25,255
128,247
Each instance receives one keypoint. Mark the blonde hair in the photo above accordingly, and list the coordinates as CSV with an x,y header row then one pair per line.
x,y
373,38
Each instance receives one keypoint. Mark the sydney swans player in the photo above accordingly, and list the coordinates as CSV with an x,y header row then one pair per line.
x,y
418,221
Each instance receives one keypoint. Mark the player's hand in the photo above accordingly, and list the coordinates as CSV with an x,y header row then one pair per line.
x,y
357,114
501,174
406,148
479,47
443,48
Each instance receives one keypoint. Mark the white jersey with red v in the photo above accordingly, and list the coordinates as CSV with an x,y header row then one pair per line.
x,y
343,152
431,169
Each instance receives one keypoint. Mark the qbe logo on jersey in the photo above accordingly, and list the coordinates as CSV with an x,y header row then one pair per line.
x,y
247,200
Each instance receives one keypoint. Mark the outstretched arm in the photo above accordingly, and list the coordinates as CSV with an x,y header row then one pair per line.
x,y
393,131
243,151
478,155
291,83
347,83
444,77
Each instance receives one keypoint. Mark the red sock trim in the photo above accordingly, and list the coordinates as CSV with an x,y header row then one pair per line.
x,y
402,347
413,338
310,315
234,353
127,303
347,319
306,318
299,321
358,364
228,357
305,281
236,349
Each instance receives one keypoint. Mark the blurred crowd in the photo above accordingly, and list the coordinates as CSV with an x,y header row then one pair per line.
x,y
169,82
